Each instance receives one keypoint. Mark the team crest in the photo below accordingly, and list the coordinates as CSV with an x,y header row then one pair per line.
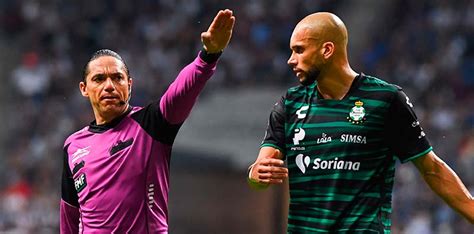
x,y
357,114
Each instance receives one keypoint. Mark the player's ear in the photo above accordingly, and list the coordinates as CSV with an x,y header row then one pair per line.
x,y
328,49
130,82
83,89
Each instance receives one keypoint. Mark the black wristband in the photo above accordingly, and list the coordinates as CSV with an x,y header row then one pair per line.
x,y
209,58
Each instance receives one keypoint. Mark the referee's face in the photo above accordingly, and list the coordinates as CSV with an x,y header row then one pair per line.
x,y
305,58
107,86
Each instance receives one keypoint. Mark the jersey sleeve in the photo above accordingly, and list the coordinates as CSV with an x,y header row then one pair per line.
x,y
69,214
404,134
275,133
154,123
179,98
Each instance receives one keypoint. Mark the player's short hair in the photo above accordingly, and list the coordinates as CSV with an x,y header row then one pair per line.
x,y
100,53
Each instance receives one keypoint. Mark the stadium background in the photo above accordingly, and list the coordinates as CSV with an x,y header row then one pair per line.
x,y
425,46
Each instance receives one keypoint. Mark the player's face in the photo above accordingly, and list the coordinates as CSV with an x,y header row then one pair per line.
x,y
305,60
107,86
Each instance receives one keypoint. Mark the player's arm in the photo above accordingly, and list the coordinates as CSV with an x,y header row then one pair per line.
x,y
444,182
267,169
178,100
408,141
69,207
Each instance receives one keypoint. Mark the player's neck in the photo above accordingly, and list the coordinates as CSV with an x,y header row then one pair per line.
x,y
336,81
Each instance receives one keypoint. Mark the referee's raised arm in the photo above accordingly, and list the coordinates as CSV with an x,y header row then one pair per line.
x,y
179,98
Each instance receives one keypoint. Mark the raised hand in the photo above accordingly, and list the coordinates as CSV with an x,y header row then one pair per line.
x,y
216,38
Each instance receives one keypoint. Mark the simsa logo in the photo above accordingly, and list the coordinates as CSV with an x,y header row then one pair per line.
x,y
303,163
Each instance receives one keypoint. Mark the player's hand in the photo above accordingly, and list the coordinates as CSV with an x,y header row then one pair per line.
x,y
269,170
216,38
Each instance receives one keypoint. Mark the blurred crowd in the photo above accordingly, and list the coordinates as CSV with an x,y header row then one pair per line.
x,y
427,47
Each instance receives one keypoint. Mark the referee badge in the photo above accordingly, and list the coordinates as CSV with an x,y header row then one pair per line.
x,y
80,182
357,114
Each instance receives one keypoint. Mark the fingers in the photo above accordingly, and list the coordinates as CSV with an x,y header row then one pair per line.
x,y
272,162
217,22
270,171
224,20
217,37
274,176
229,20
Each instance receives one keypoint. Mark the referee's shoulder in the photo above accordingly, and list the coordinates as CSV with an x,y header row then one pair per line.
x,y
72,137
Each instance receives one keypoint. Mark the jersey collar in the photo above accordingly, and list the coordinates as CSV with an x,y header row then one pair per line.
x,y
100,128
355,84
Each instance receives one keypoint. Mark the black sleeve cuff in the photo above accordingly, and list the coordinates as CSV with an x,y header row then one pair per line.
x,y
209,58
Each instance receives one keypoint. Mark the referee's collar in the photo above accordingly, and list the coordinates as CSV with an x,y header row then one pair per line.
x,y
100,128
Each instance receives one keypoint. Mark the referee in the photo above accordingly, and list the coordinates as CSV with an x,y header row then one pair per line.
x,y
341,133
116,170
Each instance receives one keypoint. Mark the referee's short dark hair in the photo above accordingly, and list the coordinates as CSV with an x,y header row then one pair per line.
x,y
100,53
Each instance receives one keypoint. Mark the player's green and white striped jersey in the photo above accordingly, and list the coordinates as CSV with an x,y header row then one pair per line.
x,y
341,154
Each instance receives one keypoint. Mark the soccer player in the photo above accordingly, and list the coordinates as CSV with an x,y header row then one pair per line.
x,y
341,133
116,170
